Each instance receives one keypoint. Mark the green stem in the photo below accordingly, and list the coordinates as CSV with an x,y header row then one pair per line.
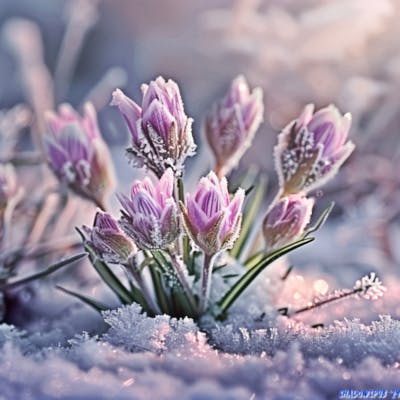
x,y
187,259
248,277
206,274
180,273
159,289
147,297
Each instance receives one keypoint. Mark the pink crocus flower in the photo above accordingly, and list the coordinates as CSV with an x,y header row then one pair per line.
x,y
286,221
108,240
160,130
150,213
77,153
311,149
232,124
212,217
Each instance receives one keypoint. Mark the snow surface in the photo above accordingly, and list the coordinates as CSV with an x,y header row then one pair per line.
x,y
67,351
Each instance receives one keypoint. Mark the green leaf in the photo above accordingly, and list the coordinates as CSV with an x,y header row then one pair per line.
x,y
254,259
248,277
97,305
321,220
187,258
162,262
159,289
139,298
249,216
53,268
109,277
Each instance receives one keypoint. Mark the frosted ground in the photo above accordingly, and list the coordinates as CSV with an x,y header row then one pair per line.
x,y
76,354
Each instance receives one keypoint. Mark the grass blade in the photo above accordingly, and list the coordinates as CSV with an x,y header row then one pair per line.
x,y
53,268
97,305
248,277
249,217
109,277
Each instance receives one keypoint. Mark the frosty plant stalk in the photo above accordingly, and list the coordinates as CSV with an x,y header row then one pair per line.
x,y
167,245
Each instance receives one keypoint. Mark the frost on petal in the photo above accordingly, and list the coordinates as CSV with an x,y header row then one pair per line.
x,y
150,215
211,217
311,149
162,136
77,153
130,111
286,221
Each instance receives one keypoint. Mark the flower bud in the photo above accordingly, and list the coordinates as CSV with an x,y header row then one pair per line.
x,y
286,220
108,240
232,124
161,131
212,218
150,214
77,153
311,149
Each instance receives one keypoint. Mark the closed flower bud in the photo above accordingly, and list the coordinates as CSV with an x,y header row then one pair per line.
x,y
77,153
212,217
150,214
312,148
232,124
161,131
286,221
108,240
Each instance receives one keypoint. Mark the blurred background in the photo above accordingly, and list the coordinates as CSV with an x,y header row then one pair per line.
x,y
345,52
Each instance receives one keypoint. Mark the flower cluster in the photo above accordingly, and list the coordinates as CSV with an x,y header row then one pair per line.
x,y
168,242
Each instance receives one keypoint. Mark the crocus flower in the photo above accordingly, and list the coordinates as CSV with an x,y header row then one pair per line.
x,y
77,153
108,240
232,124
212,218
149,215
286,221
311,149
161,131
